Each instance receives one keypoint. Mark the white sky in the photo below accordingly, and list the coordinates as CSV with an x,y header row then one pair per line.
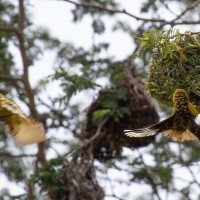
x,y
57,18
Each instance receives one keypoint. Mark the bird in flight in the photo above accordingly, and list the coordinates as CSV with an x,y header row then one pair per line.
x,y
180,126
24,130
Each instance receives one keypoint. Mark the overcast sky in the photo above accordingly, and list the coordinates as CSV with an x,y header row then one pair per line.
x,y
57,18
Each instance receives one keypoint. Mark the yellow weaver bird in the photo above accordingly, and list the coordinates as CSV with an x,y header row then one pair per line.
x,y
23,129
180,126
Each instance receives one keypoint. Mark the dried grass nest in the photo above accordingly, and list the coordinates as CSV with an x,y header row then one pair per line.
x,y
130,107
175,63
70,179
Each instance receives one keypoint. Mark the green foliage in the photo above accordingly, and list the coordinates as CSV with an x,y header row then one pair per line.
x,y
99,115
158,175
109,104
13,168
72,84
159,43
49,178
174,64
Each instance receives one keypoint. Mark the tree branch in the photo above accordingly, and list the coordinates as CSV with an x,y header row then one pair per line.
x,y
25,77
8,29
192,6
163,22
99,128
6,77
7,155
113,11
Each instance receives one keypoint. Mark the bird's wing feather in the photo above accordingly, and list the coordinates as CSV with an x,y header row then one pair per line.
x,y
9,108
14,109
143,132
23,129
164,124
28,132
151,130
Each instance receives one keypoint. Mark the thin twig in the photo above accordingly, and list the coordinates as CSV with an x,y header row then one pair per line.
x,y
6,154
99,128
150,178
192,6
167,7
123,11
114,11
6,77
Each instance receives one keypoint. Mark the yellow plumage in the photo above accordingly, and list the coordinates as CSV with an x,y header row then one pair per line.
x,y
180,126
23,129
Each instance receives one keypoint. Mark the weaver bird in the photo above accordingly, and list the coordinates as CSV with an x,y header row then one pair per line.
x,y
180,126
23,129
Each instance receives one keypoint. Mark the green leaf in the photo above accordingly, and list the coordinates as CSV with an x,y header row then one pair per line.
x,y
99,115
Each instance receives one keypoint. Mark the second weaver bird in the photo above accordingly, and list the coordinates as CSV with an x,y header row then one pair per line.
x,y
180,126
23,129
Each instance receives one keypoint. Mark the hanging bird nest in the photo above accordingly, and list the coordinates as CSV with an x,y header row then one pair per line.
x,y
72,179
81,182
174,63
125,106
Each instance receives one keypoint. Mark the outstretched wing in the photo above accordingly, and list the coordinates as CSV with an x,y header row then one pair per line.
x,y
8,108
143,132
24,130
28,132
151,130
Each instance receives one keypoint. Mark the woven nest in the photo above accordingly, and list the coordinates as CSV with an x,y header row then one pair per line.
x,y
175,63
130,108
70,179
81,183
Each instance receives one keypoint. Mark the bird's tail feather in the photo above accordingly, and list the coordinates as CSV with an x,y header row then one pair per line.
x,y
180,136
27,132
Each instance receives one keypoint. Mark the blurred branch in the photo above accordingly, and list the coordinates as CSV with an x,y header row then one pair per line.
x,y
6,154
99,128
27,86
113,196
184,22
167,7
8,29
5,77
114,11
192,6
112,189
24,57
123,11
150,178
25,77
193,176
